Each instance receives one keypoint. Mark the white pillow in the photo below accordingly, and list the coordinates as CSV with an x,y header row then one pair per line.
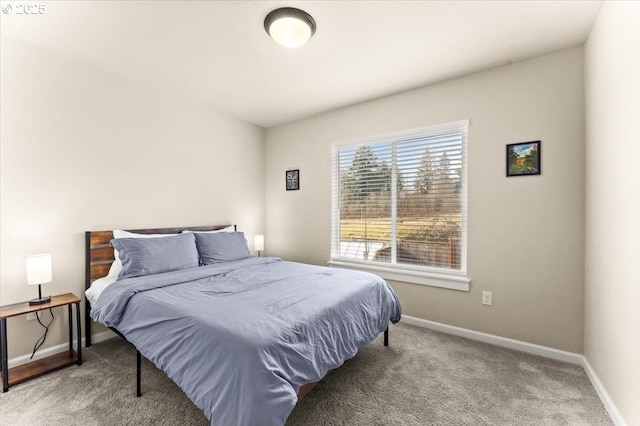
x,y
98,286
116,266
230,228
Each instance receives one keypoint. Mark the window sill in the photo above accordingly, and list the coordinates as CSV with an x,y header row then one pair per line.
x,y
453,282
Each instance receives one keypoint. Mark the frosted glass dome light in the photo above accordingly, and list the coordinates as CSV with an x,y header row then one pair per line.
x,y
290,27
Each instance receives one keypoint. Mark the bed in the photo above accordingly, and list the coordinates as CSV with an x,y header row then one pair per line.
x,y
244,337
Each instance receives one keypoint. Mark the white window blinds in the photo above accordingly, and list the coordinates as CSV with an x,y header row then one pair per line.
x,y
401,200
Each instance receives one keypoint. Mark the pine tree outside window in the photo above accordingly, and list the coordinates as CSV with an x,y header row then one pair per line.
x,y
399,205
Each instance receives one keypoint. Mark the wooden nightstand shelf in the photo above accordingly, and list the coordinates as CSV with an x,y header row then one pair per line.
x,y
40,366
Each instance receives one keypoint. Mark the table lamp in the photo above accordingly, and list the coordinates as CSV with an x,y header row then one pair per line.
x,y
258,243
38,273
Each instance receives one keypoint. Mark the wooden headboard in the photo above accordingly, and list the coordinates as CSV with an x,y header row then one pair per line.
x,y
99,257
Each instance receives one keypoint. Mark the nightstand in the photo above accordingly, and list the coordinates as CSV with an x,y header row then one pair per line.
x,y
48,364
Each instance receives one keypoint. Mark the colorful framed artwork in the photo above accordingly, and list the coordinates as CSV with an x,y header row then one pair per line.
x,y
523,159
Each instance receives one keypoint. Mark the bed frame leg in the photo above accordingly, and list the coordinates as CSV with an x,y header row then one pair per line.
x,y
138,362
386,336
87,283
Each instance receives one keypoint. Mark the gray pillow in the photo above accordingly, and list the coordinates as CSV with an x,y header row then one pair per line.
x,y
221,247
146,256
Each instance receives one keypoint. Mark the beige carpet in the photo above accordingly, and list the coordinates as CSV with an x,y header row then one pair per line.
x,y
422,378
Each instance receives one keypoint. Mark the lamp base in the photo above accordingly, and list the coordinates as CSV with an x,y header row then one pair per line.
x,y
40,301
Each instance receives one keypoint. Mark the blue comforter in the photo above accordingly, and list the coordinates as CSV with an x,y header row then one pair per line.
x,y
241,337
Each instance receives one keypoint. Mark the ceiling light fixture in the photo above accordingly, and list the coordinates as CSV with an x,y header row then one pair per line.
x,y
289,26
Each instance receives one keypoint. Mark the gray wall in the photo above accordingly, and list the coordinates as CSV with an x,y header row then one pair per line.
x,y
526,234
612,308
85,150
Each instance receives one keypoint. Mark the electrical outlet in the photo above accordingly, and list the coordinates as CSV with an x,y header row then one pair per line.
x,y
487,298
31,316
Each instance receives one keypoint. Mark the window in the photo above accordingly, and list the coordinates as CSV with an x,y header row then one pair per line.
x,y
399,205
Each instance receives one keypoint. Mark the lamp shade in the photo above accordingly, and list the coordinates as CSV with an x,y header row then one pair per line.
x,y
290,27
38,269
258,242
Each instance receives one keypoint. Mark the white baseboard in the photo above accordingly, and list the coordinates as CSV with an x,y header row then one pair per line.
x,y
531,348
101,337
23,359
518,345
615,415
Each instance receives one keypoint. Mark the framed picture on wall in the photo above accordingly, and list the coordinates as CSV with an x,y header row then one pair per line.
x,y
523,158
292,179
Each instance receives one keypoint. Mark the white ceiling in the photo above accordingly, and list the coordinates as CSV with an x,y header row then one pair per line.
x,y
217,52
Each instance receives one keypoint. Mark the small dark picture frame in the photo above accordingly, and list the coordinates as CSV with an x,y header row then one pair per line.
x,y
523,159
292,180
